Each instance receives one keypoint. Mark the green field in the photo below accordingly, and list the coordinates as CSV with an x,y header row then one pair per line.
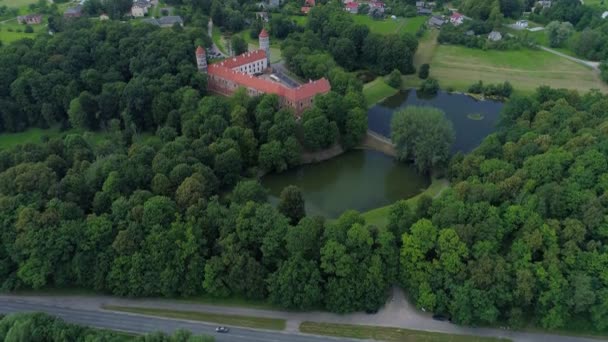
x,y
387,26
597,3
387,334
234,320
458,67
11,31
376,91
16,3
379,216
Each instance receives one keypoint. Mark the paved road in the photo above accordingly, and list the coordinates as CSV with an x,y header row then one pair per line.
x,y
592,65
398,312
143,324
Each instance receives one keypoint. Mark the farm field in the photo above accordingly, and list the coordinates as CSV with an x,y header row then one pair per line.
x,y
16,3
459,67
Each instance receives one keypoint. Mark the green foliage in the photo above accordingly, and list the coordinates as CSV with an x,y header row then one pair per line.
x,y
423,73
558,33
422,135
604,71
239,45
429,87
42,327
517,236
291,204
501,90
394,79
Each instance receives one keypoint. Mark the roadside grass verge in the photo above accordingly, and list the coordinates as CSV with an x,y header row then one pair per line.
x,y
232,320
387,334
377,90
379,216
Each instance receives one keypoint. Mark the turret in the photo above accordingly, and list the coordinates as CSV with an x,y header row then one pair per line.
x,y
265,44
201,59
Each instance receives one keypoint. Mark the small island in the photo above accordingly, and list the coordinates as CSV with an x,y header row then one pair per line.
x,y
476,116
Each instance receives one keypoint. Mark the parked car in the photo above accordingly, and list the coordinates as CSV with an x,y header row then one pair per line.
x,y
441,318
222,330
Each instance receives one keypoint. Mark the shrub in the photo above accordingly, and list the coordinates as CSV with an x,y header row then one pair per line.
x,y
423,73
394,79
430,86
29,29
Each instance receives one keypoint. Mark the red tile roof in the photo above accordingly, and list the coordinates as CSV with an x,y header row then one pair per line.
x,y
200,50
305,10
352,5
310,3
263,33
247,57
302,92
456,15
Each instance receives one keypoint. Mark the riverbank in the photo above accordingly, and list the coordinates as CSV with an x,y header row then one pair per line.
x,y
379,216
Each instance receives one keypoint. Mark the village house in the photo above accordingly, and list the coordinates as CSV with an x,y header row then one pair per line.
x,y
73,12
139,8
165,22
424,11
376,5
544,3
30,19
495,36
242,71
605,15
352,7
274,3
308,4
522,24
436,21
456,19
262,15
104,17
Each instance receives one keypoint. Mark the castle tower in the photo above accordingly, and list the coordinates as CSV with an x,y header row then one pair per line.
x,y
201,59
265,44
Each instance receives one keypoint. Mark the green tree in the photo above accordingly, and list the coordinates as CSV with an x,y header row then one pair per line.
x,y
394,79
423,73
239,45
558,33
291,204
422,134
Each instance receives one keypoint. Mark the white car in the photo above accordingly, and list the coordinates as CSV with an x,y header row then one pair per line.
x,y
222,330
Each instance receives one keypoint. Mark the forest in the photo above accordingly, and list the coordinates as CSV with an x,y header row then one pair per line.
x,y
42,327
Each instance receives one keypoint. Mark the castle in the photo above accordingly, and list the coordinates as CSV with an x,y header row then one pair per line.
x,y
251,71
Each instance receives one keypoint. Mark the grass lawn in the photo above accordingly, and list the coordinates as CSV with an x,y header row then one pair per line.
x,y
458,67
16,3
597,3
377,90
411,25
9,32
386,334
384,26
379,216
299,19
233,320
216,36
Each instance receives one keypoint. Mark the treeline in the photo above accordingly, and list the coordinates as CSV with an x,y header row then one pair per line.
x,y
95,72
42,327
521,235
503,90
332,37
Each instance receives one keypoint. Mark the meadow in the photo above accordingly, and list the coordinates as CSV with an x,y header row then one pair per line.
x,y
11,31
387,26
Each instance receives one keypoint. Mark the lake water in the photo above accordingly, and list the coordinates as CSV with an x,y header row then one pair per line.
x,y
358,179
469,132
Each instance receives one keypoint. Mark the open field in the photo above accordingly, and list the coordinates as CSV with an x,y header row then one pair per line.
x,y
377,90
234,320
16,3
11,31
387,26
379,216
597,3
386,334
459,67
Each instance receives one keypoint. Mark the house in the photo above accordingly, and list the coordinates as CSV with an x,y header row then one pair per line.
x,y
305,10
73,12
241,71
104,17
424,11
420,4
274,3
521,24
262,16
436,21
376,5
605,15
167,21
139,8
308,4
456,19
495,36
352,7
30,19
544,3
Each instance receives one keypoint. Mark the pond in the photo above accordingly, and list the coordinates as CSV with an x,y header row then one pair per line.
x,y
472,119
358,179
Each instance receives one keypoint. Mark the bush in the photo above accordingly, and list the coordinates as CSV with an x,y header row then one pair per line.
x,y
29,29
430,86
501,90
476,88
394,79
423,73
604,70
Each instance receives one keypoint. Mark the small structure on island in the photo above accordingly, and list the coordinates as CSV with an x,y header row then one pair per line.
x,y
495,36
250,71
